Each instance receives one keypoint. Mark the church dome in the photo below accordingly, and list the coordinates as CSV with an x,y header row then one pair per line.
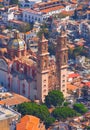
x,y
16,43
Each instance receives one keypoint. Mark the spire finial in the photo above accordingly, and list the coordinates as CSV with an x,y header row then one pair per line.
x,y
62,30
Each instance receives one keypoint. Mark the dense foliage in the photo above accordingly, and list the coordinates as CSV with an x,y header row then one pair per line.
x,y
54,98
63,112
34,109
40,111
25,27
88,128
80,108
49,121
43,30
79,50
66,104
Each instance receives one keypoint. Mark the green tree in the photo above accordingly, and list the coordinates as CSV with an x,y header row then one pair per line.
x,y
54,98
43,30
65,104
14,2
88,128
25,27
63,113
80,108
78,51
1,6
40,111
49,121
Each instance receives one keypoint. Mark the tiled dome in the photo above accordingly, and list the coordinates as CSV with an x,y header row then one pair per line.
x,y
16,44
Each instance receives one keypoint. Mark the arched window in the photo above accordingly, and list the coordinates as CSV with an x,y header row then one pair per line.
x,y
64,58
23,89
45,64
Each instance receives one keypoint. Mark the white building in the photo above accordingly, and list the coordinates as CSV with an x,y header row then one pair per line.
x,y
8,13
29,15
28,3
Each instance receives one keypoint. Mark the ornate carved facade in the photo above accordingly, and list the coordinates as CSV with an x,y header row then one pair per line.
x,y
42,69
61,62
33,76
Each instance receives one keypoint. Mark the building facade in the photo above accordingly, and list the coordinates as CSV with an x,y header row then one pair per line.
x,y
61,62
31,75
42,69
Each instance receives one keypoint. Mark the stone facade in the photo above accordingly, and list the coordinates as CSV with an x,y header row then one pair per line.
x,y
31,75
61,62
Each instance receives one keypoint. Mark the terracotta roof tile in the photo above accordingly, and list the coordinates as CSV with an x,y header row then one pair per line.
x,y
16,99
73,75
28,122
71,87
52,9
1,0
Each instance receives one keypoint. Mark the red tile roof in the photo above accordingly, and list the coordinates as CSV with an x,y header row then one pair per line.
x,y
1,0
71,87
87,84
73,75
14,100
52,9
28,122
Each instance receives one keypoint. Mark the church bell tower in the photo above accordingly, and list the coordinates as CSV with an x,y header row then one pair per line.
x,y
62,61
42,69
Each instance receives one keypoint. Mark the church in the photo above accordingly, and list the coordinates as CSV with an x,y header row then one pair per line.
x,y
34,75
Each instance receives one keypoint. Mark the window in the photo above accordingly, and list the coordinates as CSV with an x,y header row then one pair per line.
x,y
44,80
23,91
44,90
63,85
63,90
38,19
63,76
63,81
64,59
44,85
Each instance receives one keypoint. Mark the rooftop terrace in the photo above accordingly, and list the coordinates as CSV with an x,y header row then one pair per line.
x,y
6,112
